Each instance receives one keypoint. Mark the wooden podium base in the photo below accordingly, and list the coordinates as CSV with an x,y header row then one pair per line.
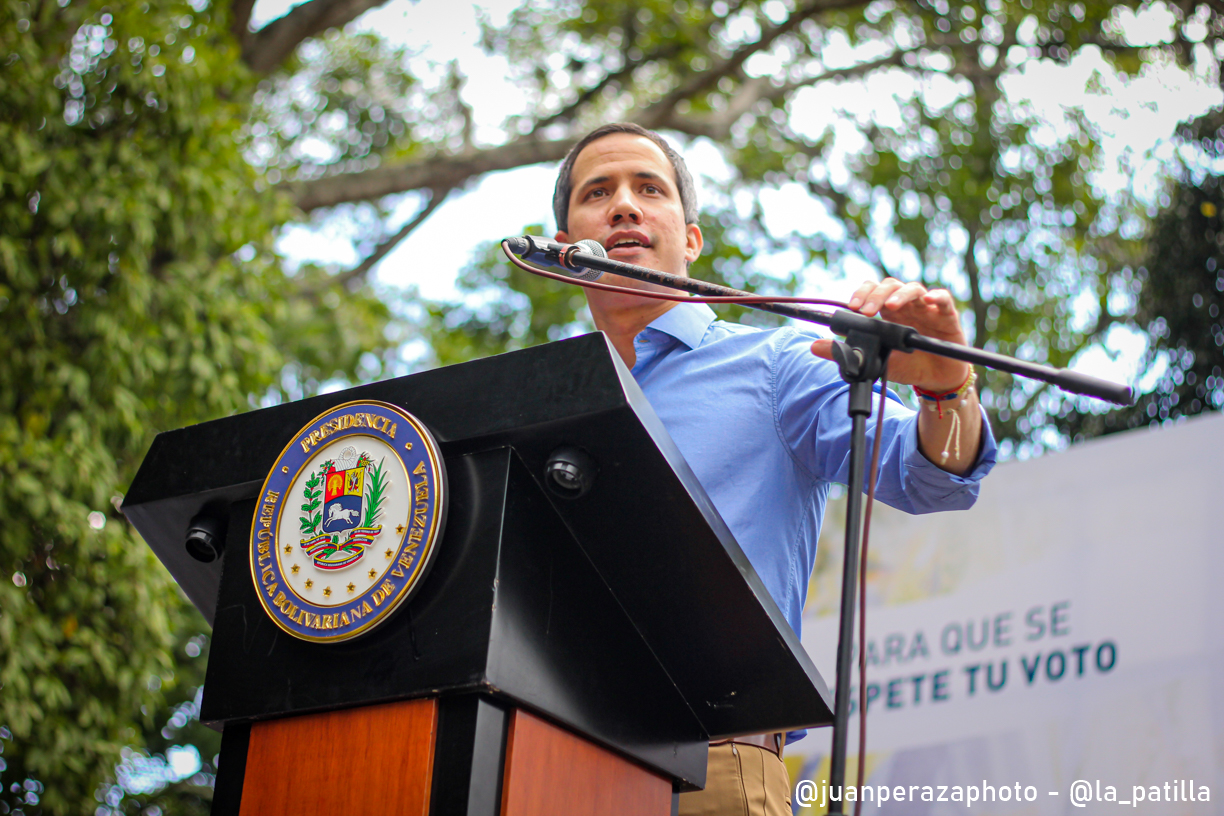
x,y
381,760
551,772
374,759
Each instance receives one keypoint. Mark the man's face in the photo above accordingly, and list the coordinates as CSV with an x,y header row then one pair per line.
x,y
625,196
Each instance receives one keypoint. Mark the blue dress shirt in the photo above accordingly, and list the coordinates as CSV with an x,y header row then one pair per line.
x,y
763,424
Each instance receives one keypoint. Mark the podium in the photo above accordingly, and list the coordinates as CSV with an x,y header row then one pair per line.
x,y
564,654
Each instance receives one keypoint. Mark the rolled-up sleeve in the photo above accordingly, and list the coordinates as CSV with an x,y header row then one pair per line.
x,y
811,401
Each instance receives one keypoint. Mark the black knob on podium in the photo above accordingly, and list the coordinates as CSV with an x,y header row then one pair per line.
x,y
206,537
570,472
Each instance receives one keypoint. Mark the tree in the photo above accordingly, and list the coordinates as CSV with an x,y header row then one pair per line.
x,y
951,182
1180,296
138,292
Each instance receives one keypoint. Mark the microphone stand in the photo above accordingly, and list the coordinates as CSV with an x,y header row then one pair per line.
x,y
861,359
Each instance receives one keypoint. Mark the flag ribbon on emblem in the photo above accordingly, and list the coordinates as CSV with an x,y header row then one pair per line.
x,y
327,555
364,536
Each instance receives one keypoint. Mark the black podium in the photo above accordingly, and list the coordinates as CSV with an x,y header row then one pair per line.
x,y
559,649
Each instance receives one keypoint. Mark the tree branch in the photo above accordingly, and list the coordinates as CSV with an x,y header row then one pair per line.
x,y
267,48
565,113
435,172
717,125
856,239
465,110
981,330
448,171
733,65
359,271
451,171
240,19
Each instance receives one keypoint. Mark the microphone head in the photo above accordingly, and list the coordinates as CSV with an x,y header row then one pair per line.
x,y
519,246
591,248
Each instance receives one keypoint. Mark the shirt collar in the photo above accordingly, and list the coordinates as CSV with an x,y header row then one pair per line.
x,y
687,322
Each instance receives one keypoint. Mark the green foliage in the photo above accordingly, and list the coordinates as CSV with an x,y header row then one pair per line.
x,y
329,332
144,778
725,260
614,49
376,493
927,171
344,103
503,309
1181,301
1180,295
138,293
981,195
312,493
940,178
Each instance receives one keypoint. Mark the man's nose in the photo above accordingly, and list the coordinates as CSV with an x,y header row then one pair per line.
x,y
625,208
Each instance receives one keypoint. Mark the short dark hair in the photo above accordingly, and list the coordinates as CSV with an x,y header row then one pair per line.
x,y
565,177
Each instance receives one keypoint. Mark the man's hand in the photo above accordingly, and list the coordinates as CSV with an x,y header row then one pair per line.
x,y
932,313
949,434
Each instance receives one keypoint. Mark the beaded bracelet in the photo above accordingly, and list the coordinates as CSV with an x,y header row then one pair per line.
x,y
938,399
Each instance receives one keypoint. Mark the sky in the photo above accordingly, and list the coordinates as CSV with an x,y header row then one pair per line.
x,y
1134,121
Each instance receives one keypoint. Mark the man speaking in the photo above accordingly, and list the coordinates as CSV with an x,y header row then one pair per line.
x,y
761,421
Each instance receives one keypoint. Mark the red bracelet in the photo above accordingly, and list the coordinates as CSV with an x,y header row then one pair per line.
x,y
940,397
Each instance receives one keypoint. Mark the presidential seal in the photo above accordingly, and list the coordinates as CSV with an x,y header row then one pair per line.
x,y
348,521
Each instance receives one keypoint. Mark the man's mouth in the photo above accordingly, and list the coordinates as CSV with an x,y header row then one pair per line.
x,y
636,241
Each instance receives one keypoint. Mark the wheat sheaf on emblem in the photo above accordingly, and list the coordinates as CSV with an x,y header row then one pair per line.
x,y
341,506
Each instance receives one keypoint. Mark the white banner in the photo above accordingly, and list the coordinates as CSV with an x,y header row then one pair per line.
x,y
1056,649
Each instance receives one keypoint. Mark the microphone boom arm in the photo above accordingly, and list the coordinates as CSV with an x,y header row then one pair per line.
x,y
844,321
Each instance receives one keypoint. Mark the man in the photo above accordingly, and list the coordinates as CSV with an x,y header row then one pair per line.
x,y
761,421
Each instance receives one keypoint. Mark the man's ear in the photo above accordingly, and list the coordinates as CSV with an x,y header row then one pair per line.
x,y
693,242
562,237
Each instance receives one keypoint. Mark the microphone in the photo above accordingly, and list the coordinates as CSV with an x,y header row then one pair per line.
x,y
587,260
550,253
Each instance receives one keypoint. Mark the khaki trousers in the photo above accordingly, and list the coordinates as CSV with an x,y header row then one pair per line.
x,y
741,780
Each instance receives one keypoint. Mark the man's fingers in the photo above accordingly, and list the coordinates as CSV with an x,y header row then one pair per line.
x,y
823,348
861,293
932,312
878,294
907,293
942,300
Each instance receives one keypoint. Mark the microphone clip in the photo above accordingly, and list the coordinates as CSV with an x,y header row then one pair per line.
x,y
546,253
543,252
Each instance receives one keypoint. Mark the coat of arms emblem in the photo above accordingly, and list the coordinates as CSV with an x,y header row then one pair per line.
x,y
348,521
